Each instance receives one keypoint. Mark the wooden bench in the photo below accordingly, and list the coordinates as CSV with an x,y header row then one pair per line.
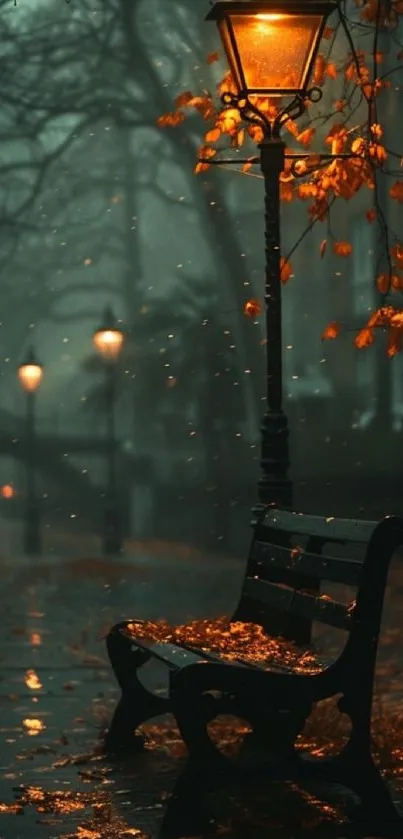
x,y
291,555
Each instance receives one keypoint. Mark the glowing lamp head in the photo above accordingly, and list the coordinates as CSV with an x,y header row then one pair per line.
x,y
108,338
271,46
30,373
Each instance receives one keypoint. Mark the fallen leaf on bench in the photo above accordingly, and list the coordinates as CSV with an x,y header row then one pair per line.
x,y
236,640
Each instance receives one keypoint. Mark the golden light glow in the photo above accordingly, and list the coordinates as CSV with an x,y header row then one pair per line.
x,y
232,641
30,377
270,16
275,49
33,726
108,343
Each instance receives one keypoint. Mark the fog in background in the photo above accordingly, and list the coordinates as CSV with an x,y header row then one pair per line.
x,y
100,206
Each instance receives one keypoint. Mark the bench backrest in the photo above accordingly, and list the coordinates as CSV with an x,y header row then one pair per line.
x,y
292,553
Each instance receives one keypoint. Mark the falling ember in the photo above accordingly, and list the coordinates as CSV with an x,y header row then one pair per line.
x,y
232,641
36,639
33,727
32,681
7,491
252,308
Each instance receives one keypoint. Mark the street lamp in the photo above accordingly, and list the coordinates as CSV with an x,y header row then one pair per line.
x,y
108,340
30,374
271,48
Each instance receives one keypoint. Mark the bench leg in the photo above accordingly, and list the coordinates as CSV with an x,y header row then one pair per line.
x,y
193,712
137,704
360,775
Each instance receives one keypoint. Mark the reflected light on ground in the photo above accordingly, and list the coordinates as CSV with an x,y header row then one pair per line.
x,y
33,726
32,681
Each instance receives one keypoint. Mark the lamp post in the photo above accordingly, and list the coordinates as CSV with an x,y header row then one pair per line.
x,y
271,47
30,374
108,341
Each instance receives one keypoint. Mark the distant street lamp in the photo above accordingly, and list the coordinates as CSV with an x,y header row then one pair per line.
x,y
271,47
108,341
30,374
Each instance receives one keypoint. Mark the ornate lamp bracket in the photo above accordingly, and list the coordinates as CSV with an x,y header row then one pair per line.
x,y
271,127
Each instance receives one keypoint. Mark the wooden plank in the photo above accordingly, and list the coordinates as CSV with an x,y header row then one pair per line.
x,y
299,603
333,569
329,529
172,655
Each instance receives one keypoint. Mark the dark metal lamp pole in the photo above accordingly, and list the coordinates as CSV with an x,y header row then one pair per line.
x,y
108,340
271,46
30,374
274,486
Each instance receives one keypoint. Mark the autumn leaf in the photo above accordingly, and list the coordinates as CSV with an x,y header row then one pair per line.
x,y
397,253
342,248
395,340
285,270
383,283
340,104
252,308
213,135
207,154
370,215
396,191
247,166
331,70
286,192
322,248
364,338
203,105
376,130
306,136
328,32
319,70
183,99
212,57
332,330
240,137
350,72
170,120
306,191
396,282
377,152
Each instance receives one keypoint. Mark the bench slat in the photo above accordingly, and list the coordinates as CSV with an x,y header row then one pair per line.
x,y
299,603
329,529
333,569
174,656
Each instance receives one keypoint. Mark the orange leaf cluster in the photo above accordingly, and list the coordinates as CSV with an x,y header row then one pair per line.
x,y
341,178
388,318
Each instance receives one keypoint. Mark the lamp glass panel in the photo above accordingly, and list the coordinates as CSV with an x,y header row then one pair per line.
x,y
275,49
233,58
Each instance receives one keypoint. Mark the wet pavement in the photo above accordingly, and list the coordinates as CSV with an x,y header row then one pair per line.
x,y
57,694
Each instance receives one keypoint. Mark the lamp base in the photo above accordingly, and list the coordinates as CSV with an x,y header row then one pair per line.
x,y
274,487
